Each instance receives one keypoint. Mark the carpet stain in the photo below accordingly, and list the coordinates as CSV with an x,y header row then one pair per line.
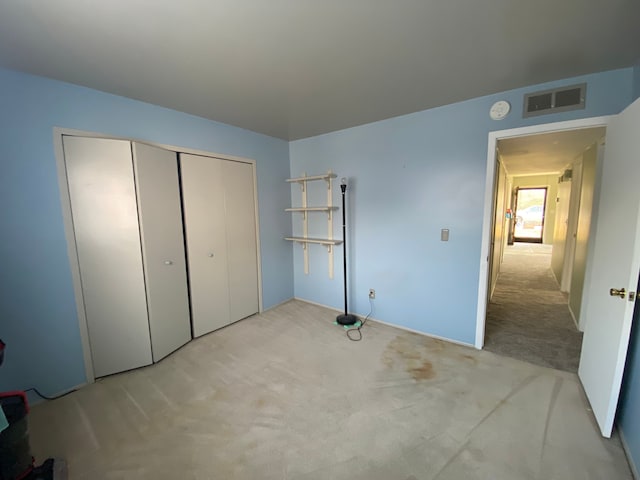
x,y
469,358
423,372
403,354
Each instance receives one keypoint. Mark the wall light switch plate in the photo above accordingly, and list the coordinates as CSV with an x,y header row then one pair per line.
x,y
444,234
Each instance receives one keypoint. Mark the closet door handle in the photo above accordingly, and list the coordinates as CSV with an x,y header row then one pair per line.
x,y
210,255
168,262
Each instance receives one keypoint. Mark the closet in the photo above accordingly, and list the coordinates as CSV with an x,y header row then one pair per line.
x,y
221,240
165,243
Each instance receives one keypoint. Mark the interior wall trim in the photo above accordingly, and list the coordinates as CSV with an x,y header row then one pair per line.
x,y
388,324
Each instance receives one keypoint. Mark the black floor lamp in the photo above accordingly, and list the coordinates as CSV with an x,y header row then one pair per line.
x,y
346,318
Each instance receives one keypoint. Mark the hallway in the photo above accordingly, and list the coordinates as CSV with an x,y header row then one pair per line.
x,y
528,317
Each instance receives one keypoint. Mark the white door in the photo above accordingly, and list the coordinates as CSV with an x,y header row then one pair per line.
x,y
616,264
242,256
105,222
163,253
204,221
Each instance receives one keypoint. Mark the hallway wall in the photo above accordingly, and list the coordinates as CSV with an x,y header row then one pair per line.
x,y
587,187
563,197
501,224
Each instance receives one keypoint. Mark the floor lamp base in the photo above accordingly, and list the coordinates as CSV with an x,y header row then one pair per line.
x,y
346,319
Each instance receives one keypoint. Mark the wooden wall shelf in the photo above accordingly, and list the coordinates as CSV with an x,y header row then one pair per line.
x,y
304,240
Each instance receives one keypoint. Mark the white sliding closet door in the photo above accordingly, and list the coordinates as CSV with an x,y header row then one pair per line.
x,y
105,218
158,190
242,252
204,218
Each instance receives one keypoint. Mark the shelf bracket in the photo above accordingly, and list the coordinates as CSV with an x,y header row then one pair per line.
x,y
328,179
305,225
330,223
305,254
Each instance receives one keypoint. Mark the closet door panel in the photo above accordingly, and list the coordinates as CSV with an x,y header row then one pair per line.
x,y
204,220
165,270
105,218
241,239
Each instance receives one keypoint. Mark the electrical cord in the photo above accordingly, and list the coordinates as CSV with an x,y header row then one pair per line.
x,y
357,329
37,392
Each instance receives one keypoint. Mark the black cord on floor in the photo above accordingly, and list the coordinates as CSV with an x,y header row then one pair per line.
x,y
37,392
357,329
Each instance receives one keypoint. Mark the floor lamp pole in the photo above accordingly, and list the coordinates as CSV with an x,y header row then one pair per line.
x,y
346,318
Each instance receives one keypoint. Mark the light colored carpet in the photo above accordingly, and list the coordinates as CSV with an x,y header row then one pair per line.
x,y
528,317
285,395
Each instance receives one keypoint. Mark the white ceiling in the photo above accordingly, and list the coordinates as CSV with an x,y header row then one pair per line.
x,y
548,152
297,68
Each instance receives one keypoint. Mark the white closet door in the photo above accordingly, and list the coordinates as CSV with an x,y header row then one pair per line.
x,y
242,256
163,254
105,219
204,221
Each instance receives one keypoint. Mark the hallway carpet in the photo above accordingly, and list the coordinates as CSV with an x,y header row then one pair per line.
x,y
528,317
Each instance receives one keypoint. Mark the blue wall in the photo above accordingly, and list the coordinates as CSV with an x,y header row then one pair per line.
x,y
38,318
636,81
410,177
629,412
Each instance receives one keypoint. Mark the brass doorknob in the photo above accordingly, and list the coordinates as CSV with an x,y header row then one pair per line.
x,y
614,292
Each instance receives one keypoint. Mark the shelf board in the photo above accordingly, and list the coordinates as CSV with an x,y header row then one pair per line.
x,y
321,241
310,209
310,178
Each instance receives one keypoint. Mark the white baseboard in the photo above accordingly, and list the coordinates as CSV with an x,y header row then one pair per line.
x,y
625,447
575,321
278,304
435,337
393,325
322,305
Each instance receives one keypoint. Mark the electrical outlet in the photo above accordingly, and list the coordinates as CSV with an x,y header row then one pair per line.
x,y
372,294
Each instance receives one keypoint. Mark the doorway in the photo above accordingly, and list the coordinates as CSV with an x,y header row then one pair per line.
x,y
608,320
534,171
529,217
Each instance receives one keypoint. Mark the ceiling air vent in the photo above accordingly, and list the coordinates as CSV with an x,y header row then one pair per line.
x,y
554,101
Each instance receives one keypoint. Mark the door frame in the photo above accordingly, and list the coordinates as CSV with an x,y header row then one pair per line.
x,y
485,250
65,201
495,218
